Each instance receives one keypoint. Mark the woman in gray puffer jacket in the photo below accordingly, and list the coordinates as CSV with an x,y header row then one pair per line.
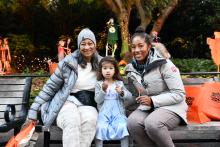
x,y
159,94
68,95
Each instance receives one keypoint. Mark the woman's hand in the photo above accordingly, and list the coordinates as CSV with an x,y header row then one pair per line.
x,y
28,121
144,100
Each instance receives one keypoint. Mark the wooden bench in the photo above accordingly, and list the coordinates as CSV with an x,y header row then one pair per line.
x,y
191,135
14,102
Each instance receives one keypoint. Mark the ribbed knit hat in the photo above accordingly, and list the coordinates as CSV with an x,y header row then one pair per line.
x,y
86,34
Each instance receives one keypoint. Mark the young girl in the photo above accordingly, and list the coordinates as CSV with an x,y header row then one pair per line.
x,y
110,95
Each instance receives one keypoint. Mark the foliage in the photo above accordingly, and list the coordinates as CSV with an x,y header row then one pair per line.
x,y
34,26
197,20
20,44
36,86
194,65
25,56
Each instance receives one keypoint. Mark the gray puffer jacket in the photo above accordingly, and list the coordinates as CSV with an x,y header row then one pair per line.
x,y
162,82
56,90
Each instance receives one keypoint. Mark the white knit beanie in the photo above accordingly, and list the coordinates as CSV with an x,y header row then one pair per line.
x,y
86,34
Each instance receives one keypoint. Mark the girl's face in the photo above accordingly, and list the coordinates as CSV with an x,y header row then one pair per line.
x,y
87,48
139,49
61,43
108,70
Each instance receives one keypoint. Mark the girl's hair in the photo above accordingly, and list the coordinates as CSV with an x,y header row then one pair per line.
x,y
94,61
109,59
140,31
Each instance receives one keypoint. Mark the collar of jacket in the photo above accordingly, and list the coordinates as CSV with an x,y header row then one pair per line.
x,y
155,59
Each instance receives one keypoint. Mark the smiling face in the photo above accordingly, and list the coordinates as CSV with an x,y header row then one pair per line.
x,y
108,70
87,48
139,49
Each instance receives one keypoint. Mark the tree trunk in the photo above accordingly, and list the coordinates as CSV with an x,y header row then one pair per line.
x,y
163,16
123,20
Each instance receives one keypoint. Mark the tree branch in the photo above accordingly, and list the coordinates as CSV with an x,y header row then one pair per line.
x,y
145,15
112,5
164,13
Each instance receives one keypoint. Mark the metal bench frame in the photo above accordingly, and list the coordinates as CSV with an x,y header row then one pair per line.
x,y
11,89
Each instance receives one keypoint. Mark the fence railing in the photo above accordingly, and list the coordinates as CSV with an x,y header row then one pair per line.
x,y
47,75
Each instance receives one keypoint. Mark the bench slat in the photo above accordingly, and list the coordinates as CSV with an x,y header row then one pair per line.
x,y
10,94
11,81
11,101
18,114
196,81
11,88
195,135
17,107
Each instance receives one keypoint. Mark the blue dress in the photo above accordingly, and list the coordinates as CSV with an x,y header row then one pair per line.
x,y
112,124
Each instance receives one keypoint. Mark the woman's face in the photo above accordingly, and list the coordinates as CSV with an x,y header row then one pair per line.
x,y
87,48
139,49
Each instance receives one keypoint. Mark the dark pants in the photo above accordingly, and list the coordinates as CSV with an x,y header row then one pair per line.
x,y
150,129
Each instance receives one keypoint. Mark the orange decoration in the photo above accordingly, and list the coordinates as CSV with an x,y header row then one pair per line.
x,y
203,102
52,66
122,63
214,45
22,137
194,112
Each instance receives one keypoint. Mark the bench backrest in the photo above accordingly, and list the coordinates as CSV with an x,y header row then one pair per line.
x,y
197,81
15,91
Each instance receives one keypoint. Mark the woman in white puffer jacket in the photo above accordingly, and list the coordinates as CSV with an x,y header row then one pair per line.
x,y
159,93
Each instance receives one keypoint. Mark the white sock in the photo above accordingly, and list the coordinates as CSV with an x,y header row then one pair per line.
x,y
98,143
125,142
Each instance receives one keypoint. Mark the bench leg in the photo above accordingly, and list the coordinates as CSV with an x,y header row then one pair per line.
x,y
46,139
16,130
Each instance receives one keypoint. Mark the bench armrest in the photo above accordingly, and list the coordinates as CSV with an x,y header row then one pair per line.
x,y
10,117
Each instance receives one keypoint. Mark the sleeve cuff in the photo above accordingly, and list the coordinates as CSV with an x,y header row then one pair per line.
x,y
32,114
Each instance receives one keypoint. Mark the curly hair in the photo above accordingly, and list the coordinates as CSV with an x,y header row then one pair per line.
x,y
108,59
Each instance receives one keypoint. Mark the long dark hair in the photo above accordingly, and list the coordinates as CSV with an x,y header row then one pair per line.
x,y
108,59
94,61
